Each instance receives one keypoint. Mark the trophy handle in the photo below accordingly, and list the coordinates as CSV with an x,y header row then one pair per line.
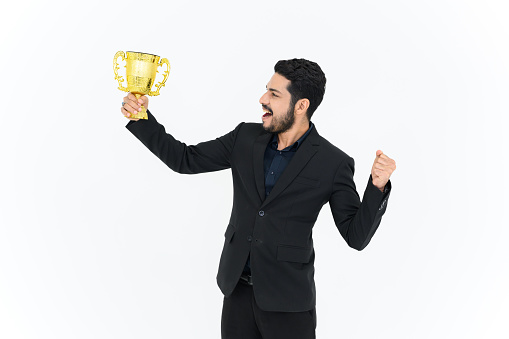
x,y
166,73
116,67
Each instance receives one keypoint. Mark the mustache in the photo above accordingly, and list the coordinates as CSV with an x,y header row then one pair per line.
x,y
265,107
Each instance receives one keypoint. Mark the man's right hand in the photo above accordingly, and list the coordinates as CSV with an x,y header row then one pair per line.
x,y
132,105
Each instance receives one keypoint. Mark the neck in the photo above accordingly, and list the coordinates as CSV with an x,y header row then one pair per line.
x,y
292,135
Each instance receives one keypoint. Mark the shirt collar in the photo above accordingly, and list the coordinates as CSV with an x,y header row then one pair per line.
x,y
296,144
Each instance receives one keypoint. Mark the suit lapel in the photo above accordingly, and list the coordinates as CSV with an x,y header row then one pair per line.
x,y
258,154
305,152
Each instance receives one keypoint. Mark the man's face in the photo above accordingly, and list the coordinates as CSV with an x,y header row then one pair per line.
x,y
278,116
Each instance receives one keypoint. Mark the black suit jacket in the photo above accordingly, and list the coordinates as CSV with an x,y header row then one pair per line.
x,y
276,231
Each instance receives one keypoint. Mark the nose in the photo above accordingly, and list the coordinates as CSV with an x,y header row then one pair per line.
x,y
264,100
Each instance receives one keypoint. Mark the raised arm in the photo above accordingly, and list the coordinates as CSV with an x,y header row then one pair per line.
x,y
207,156
358,221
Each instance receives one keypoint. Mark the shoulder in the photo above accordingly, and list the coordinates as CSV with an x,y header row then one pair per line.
x,y
332,150
252,126
252,129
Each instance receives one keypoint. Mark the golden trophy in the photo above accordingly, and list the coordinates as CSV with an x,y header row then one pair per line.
x,y
141,69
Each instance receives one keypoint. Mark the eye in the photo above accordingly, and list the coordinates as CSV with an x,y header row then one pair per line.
x,y
274,95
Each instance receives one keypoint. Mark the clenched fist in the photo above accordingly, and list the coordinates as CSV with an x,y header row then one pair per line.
x,y
382,170
132,106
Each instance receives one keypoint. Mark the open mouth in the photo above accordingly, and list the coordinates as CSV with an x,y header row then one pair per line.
x,y
267,112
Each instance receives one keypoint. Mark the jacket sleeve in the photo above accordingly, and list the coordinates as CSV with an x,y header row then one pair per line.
x,y
207,156
357,222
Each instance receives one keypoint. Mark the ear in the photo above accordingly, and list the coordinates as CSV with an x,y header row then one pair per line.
x,y
301,106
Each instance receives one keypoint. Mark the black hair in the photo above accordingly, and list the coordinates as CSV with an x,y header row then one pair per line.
x,y
307,80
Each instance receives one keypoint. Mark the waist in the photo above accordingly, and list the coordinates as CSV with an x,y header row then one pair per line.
x,y
246,279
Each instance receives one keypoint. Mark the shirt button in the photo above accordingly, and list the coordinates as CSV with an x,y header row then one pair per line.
x,y
261,213
249,238
271,172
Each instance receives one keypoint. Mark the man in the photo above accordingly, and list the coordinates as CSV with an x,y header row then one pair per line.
x,y
283,173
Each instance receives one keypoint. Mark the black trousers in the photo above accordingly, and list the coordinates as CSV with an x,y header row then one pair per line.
x,y
243,319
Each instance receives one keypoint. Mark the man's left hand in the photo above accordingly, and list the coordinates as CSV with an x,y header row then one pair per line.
x,y
382,170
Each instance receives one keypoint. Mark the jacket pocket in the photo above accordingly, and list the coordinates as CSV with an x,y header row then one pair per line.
x,y
294,253
230,231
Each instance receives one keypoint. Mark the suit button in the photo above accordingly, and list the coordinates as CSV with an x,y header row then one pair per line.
x,y
261,213
249,238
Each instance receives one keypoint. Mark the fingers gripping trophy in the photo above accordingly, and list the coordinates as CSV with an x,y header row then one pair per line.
x,y
141,69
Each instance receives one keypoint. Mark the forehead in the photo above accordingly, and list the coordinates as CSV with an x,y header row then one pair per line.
x,y
279,83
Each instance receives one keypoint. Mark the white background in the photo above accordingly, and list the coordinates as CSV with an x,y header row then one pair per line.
x,y
99,239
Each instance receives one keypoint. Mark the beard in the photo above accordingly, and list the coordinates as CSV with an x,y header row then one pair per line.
x,y
282,124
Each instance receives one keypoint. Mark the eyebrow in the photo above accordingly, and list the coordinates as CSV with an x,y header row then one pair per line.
x,y
273,90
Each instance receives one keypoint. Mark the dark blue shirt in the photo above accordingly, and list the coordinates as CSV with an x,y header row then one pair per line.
x,y
274,163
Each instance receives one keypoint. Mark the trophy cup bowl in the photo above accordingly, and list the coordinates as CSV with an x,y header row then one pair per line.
x,y
141,69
